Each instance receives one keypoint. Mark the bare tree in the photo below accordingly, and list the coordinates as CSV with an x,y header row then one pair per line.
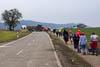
x,y
11,18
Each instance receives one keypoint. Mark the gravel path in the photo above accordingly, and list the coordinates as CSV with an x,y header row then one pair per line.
x,y
93,60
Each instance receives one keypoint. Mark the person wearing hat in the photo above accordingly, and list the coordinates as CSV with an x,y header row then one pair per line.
x,y
83,43
94,43
57,32
76,38
78,33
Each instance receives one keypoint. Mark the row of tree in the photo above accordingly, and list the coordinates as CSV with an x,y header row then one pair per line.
x,y
11,18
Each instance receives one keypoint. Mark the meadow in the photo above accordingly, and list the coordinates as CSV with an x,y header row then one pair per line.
x,y
87,31
6,36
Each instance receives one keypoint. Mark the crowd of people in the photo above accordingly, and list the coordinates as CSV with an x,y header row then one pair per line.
x,y
79,41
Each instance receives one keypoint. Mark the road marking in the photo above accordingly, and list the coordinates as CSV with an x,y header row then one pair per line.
x,y
9,43
28,44
33,40
19,52
3,46
56,56
46,64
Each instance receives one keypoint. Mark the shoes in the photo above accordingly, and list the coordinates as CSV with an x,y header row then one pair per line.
x,y
84,53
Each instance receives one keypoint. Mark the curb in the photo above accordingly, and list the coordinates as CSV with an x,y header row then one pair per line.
x,y
56,56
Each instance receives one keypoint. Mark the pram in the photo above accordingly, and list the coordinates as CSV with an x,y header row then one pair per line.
x,y
93,51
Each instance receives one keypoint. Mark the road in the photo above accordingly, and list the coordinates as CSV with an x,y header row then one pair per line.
x,y
34,50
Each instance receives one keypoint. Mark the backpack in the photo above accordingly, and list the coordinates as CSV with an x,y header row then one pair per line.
x,y
77,37
65,35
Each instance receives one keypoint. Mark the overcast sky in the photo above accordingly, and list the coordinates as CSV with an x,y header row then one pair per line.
x,y
56,11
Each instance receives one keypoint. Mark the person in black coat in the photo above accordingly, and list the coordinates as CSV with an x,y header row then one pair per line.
x,y
65,36
76,41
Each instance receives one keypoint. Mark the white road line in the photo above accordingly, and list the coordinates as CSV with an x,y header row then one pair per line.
x,y
19,52
3,46
9,43
28,44
33,40
56,56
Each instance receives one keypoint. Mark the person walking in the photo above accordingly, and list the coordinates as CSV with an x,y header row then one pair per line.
x,y
60,32
65,36
94,43
76,41
54,31
57,32
71,38
83,43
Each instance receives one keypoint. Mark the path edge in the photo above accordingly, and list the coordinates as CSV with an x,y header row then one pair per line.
x,y
55,53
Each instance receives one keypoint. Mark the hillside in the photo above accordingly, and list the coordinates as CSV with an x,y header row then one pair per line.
x,y
34,23
49,25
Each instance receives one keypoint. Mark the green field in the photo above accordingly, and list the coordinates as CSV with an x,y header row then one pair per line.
x,y
87,31
6,36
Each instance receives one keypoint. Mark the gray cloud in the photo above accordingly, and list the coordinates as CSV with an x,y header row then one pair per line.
x,y
57,11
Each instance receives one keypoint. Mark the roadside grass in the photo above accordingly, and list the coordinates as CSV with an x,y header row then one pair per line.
x,y
6,36
71,56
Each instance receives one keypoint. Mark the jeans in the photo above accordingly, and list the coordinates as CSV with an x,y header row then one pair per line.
x,y
95,50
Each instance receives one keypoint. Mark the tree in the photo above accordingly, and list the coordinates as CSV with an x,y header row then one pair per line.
x,y
11,18
81,26
39,27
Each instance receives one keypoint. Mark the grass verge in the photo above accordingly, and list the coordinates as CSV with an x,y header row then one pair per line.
x,y
6,36
71,59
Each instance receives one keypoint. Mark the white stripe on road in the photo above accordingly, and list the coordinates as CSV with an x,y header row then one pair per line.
x,y
33,40
9,43
3,46
56,56
19,52
29,44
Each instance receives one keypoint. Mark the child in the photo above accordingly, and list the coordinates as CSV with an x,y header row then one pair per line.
x,y
71,38
83,42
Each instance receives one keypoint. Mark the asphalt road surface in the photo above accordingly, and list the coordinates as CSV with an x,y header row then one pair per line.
x,y
34,50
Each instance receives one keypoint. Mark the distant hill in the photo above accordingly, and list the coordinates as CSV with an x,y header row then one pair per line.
x,y
2,26
49,25
34,23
